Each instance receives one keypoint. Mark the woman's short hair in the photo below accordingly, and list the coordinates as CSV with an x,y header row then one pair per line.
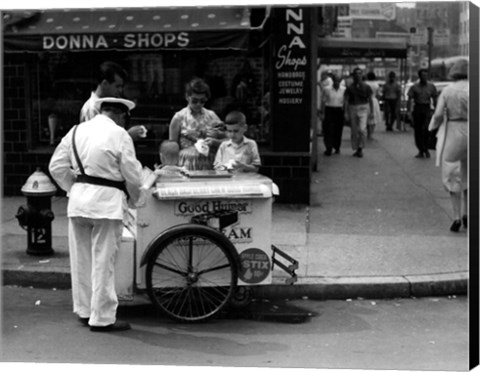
x,y
197,86
371,75
459,70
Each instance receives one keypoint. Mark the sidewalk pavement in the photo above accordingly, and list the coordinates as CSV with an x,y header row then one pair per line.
x,y
377,227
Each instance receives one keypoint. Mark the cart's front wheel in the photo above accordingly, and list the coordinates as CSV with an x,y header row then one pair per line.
x,y
192,274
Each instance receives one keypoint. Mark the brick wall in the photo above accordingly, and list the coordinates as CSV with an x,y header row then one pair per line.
x,y
18,162
291,172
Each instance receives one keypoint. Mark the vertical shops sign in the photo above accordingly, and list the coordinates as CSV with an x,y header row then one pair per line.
x,y
292,79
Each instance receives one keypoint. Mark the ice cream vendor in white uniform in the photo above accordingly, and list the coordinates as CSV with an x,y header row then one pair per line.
x,y
102,176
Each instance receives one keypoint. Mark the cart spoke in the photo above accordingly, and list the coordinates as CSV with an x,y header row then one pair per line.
x,y
215,295
209,254
175,255
190,253
214,269
169,297
170,269
178,306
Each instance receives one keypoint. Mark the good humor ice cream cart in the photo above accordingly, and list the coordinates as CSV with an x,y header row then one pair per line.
x,y
200,238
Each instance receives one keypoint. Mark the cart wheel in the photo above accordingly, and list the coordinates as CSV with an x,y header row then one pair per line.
x,y
192,274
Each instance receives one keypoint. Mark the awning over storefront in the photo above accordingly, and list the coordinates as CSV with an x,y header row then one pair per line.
x,y
168,28
361,48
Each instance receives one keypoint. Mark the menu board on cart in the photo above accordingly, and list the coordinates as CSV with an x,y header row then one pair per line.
x,y
210,190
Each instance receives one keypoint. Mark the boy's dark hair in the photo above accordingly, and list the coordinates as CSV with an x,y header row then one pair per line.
x,y
392,74
197,86
371,75
235,117
108,70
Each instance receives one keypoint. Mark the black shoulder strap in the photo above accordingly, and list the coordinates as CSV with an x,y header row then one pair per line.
x,y
85,178
77,158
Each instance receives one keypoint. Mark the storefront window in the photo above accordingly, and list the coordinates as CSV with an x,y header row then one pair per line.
x,y
63,81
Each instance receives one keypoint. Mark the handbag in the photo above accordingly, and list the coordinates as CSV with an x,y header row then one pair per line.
x,y
432,139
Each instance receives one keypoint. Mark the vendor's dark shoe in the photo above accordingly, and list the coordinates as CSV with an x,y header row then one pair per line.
x,y
465,221
328,152
115,327
337,151
84,321
419,155
456,226
427,154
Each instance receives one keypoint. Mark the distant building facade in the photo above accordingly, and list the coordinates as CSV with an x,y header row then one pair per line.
x,y
445,20
464,26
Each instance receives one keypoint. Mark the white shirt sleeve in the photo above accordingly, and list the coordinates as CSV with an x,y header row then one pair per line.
x,y
255,155
131,169
60,165
218,163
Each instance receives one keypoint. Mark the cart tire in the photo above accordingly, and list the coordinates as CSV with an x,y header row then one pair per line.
x,y
192,274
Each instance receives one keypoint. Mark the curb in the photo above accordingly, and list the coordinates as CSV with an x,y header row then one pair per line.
x,y
36,279
342,288
324,288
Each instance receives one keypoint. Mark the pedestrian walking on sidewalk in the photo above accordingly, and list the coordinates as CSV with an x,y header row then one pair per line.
x,y
451,119
375,119
423,95
95,164
332,116
392,95
358,109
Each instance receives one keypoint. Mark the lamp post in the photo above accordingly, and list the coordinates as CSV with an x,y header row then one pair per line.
x,y
430,47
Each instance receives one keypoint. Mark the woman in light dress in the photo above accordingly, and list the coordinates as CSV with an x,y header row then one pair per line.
x,y
194,123
377,114
451,119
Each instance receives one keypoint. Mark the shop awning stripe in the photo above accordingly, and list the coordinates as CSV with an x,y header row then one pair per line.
x,y
194,27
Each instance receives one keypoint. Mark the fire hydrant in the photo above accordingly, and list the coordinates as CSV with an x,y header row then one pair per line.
x,y
36,217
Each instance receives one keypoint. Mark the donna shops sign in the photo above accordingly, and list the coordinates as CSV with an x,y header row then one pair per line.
x,y
125,41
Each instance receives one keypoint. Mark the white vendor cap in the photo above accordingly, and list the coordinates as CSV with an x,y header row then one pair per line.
x,y
121,103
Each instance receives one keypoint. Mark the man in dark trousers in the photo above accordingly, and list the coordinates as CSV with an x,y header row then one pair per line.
x,y
423,95
332,115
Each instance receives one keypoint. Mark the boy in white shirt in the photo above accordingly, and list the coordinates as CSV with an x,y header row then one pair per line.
x,y
238,153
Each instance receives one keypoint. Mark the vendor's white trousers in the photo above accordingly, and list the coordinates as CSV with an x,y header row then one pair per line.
x,y
93,246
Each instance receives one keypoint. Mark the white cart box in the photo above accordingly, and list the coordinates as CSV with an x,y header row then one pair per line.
x,y
239,206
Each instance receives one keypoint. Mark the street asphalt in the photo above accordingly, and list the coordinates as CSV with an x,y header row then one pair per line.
x,y
376,227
